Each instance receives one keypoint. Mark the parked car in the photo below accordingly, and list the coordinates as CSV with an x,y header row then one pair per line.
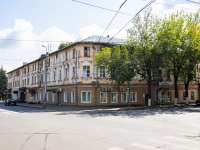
x,y
9,102
198,102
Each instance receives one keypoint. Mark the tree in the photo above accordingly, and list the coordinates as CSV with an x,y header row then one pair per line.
x,y
178,42
118,63
3,82
63,45
192,50
143,37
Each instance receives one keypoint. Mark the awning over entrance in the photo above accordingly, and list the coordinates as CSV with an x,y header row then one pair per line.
x,y
15,92
32,91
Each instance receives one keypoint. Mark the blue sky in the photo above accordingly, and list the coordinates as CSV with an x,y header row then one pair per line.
x,y
66,20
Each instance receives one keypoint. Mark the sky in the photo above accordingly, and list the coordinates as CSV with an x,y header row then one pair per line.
x,y
27,25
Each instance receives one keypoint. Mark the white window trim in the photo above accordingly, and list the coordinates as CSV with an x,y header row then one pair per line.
x,y
41,96
126,97
65,97
82,97
86,71
135,97
53,97
106,97
47,96
116,97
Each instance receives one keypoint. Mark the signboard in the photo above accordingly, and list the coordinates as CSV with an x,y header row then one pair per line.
x,y
183,88
165,83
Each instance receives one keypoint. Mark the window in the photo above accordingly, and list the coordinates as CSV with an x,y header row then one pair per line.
x,y
48,77
169,96
54,59
85,97
54,75
74,72
168,75
60,75
133,97
192,95
124,97
86,71
184,98
66,55
47,96
114,96
72,97
66,73
41,96
103,97
86,52
65,96
53,97
160,73
60,59
74,53
102,72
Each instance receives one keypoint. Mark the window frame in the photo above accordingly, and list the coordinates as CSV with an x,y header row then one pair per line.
x,y
90,100
111,97
106,96
122,96
86,51
135,97
86,74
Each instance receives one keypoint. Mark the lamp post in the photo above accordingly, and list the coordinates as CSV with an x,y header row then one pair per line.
x,y
45,85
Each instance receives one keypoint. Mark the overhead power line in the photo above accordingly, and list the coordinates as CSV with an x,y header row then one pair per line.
x,y
193,1
152,1
112,19
30,40
102,7
169,5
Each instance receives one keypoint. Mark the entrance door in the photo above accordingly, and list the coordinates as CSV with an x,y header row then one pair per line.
x,y
59,98
72,97
146,99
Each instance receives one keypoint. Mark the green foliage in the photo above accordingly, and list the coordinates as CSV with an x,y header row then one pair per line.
x,y
144,38
3,82
180,39
63,45
118,62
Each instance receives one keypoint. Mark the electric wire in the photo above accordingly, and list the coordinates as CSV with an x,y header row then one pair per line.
x,y
112,19
152,1
169,5
101,7
193,1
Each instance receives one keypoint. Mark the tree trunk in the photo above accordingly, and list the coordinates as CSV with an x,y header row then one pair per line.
x,y
186,91
176,89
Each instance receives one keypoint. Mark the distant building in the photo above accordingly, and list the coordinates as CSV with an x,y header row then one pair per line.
x,y
73,79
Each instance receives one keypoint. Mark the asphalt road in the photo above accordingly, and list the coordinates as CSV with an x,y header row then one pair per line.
x,y
24,128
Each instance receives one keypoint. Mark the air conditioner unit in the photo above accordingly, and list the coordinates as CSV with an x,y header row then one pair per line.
x,y
109,89
122,89
104,89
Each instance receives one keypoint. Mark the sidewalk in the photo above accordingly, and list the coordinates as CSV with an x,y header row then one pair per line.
x,y
54,107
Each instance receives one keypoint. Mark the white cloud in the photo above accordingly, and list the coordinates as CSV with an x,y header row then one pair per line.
x,y
188,8
12,51
96,30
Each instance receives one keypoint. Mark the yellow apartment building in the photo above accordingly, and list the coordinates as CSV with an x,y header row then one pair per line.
x,y
72,79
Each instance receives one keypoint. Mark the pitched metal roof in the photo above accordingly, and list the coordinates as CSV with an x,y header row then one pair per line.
x,y
92,39
103,39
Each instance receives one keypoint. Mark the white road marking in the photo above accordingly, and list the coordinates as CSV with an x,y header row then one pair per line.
x,y
115,148
146,147
171,144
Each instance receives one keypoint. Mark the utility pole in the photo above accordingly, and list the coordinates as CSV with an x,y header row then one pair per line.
x,y
45,85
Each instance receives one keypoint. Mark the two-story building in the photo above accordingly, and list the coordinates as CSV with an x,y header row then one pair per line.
x,y
72,79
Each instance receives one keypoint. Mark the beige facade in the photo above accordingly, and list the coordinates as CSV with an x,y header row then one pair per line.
x,y
87,86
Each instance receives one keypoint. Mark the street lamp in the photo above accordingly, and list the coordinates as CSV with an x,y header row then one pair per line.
x,y
45,85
